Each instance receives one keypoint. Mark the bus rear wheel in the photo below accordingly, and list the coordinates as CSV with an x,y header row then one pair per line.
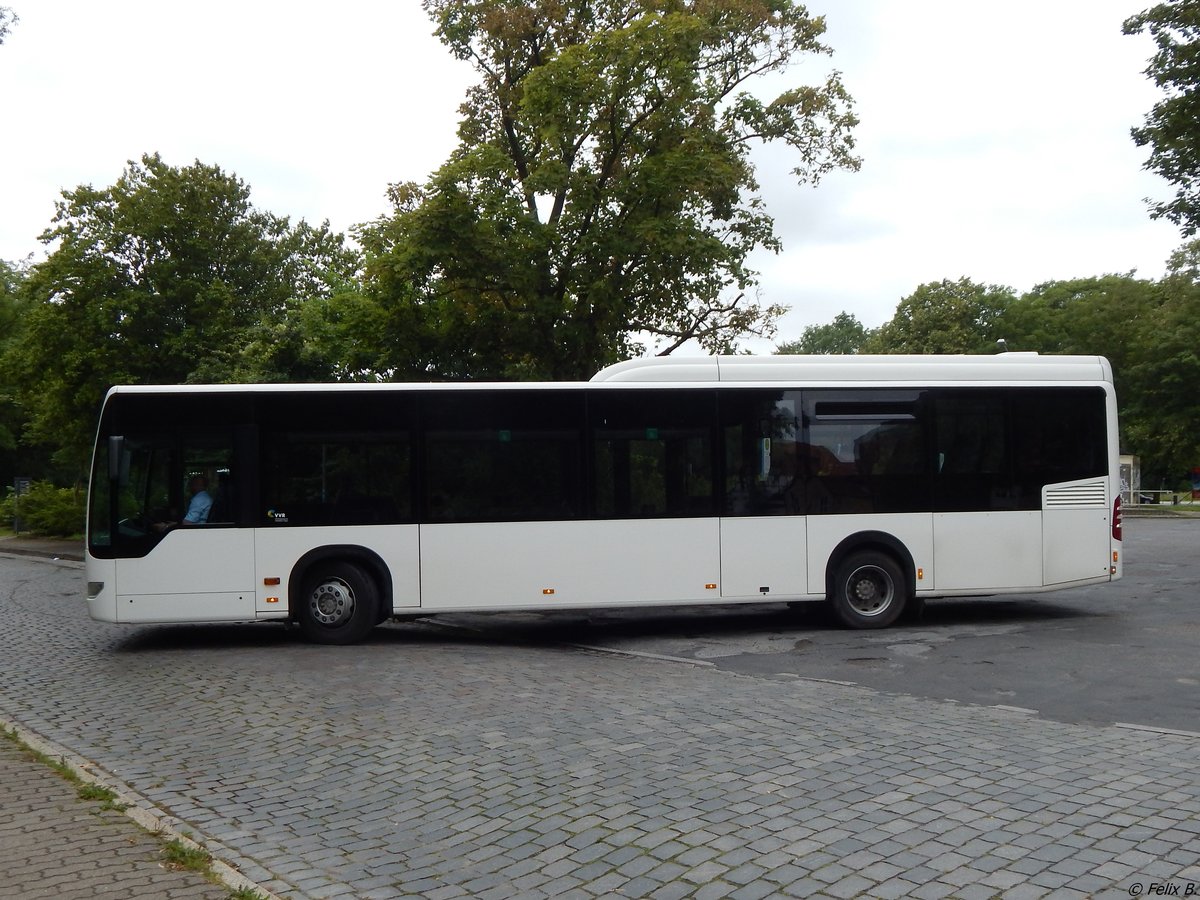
x,y
338,604
868,590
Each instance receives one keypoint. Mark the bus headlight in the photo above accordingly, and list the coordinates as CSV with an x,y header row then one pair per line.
x,y
94,589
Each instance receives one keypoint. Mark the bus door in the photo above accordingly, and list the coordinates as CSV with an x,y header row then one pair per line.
x,y
987,530
763,529
179,556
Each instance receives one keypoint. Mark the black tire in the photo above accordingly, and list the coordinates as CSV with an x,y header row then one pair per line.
x,y
338,604
869,590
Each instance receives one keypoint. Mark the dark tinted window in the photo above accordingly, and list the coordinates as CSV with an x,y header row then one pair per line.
x,y
766,460
338,478
653,453
495,457
972,451
336,459
1058,435
996,449
866,452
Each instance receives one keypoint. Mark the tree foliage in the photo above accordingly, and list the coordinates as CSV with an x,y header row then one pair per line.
x,y
45,510
845,334
12,326
1097,315
1172,127
1162,406
944,317
161,278
602,192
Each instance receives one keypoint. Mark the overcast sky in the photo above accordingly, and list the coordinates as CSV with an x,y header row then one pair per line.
x,y
994,137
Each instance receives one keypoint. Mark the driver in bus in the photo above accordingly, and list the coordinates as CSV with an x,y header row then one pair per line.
x,y
198,507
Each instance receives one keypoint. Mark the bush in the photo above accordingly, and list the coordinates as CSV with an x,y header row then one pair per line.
x,y
46,510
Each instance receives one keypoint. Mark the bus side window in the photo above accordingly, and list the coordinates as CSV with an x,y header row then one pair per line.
x,y
652,453
1058,436
868,452
516,457
766,465
974,461
207,463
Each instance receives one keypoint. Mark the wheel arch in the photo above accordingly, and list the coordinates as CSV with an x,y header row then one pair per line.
x,y
370,561
879,541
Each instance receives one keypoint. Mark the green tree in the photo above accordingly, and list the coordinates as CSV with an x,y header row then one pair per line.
x,y
602,192
1144,330
944,317
1172,127
12,322
161,278
341,337
1098,315
845,334
1160,406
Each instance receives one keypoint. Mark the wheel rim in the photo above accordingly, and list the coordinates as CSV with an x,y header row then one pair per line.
x,y
331,602
870,591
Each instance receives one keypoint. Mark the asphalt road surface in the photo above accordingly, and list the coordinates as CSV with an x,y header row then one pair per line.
x,y
1126,652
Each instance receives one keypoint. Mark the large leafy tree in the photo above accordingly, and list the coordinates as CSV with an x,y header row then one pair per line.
x,y
163,277
1098,315
1158,386
1172,127
12,321
602,194
845,334
944,317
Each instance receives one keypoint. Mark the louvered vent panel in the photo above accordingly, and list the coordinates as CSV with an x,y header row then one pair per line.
x,y
1076,495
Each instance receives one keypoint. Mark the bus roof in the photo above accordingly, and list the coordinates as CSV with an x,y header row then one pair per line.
x,y
861,368
766,370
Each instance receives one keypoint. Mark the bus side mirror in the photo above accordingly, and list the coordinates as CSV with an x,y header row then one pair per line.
x,y
116,456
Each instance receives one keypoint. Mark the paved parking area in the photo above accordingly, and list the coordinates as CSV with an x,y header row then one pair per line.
x,y
439,765
1127,652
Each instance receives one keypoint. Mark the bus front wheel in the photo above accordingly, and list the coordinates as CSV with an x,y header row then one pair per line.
x,y
868,590
338,604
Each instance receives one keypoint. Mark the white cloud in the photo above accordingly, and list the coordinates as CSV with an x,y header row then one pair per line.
x,y
995,139
317,107
995,144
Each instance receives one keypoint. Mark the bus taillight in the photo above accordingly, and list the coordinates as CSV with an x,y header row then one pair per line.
x,y
1116,519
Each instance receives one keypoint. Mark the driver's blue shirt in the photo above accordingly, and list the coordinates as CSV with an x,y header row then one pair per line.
x,y
197,513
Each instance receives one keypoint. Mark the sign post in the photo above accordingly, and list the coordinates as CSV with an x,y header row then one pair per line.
x,y
21,486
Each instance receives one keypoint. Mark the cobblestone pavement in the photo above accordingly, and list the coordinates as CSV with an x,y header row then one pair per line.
x,y
440,765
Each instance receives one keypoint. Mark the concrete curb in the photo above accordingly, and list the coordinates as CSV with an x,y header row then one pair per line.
x,y
47,549
137,807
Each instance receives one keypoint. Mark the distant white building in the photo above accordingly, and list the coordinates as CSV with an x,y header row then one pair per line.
x,y
1131,478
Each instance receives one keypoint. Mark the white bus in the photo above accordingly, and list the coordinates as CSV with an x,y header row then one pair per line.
x,y
868,481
